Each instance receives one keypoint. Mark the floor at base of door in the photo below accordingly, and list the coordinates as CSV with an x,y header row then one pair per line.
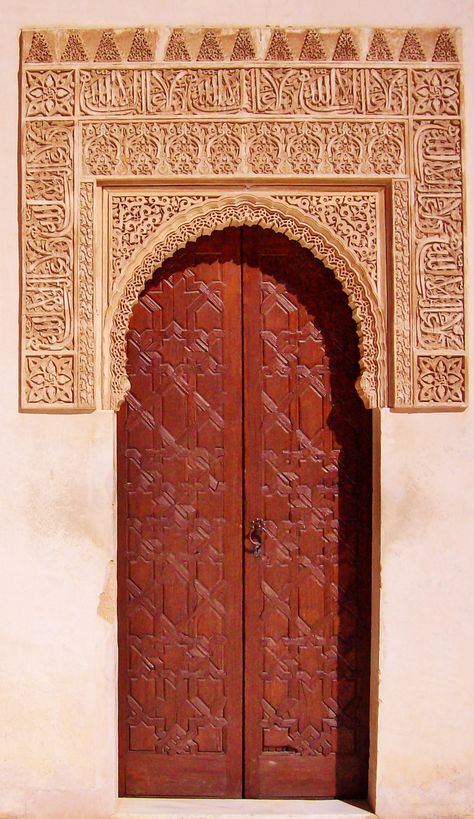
x,y
243,808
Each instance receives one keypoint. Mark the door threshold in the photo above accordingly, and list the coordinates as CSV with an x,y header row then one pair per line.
x,y
145,808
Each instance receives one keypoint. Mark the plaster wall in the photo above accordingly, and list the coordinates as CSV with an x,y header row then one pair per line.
x,y
57,621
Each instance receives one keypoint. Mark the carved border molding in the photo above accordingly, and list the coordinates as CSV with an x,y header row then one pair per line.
x,y
351,140
269,213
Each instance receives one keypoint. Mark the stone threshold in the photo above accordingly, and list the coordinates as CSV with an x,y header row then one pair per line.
x,y
246,808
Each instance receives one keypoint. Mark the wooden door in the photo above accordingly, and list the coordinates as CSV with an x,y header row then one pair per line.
x,y
308,477
243,674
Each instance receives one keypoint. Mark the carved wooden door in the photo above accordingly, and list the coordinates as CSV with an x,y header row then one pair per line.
x,y
244,496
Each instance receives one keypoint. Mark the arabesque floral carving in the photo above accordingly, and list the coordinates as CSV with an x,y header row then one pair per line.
x,y
440,379
50,380
358,132
267,213
436,92
49,93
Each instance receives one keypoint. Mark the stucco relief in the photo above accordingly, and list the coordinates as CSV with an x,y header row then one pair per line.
x,y
369,121
203,217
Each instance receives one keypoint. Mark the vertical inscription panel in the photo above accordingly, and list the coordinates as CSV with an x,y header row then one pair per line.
x,y
179,490
308,476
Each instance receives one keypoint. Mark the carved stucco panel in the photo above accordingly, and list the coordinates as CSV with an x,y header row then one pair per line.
x,y
341,111
223,148
246,209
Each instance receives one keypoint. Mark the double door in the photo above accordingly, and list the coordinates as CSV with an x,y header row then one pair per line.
x,y
244,500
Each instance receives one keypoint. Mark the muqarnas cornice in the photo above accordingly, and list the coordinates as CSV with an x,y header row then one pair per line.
x,y
351,135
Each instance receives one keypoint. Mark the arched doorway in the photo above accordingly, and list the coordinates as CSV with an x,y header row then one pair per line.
x,y
244,492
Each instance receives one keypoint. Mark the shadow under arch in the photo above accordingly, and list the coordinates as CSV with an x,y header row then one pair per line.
x,y
247,209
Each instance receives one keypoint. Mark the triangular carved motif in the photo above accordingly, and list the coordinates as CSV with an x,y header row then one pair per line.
x,y
279,48
312,48
345,48
107,50
444,51
39,49
210,47
244,48
176,50
411,49
379,48
140,50
74,51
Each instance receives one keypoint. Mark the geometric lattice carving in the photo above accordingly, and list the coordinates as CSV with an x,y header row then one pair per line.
x,y
411,49
228,107
107,50
445,51
74,50
307,471
244,48
39,49
210,48
305,715
161,716
140,50
177,50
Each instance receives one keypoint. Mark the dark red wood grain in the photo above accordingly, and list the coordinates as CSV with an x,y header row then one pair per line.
x,y
243,675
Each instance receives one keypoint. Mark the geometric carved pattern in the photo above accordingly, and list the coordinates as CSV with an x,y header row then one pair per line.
x,y
180,511
310,458
352,106
255,45
252,210
306,604
202,727
402,347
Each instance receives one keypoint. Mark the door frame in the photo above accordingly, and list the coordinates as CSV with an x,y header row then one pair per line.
x,y
287,106
145,260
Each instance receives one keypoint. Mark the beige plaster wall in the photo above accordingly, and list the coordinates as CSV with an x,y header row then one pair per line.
x,y
57,632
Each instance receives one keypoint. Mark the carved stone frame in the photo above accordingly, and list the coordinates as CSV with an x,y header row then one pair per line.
x,y
197,130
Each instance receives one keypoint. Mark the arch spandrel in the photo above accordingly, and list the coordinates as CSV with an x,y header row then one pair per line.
x,y
234,211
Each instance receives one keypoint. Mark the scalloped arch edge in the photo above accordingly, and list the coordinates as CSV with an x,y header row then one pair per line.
x,y
236,211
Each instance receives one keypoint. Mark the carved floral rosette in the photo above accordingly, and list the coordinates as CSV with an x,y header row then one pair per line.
x,y
133,141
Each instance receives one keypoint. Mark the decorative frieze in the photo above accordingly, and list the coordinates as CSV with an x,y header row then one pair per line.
x,y
203,148
257,45
368,121
402,287
86,297
230,91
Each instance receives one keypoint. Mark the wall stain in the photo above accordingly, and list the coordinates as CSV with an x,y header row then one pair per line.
x,y
106,607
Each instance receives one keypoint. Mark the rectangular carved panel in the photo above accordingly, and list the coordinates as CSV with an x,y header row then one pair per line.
x,y
219,148
48,258
230,91
180,512
353,216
